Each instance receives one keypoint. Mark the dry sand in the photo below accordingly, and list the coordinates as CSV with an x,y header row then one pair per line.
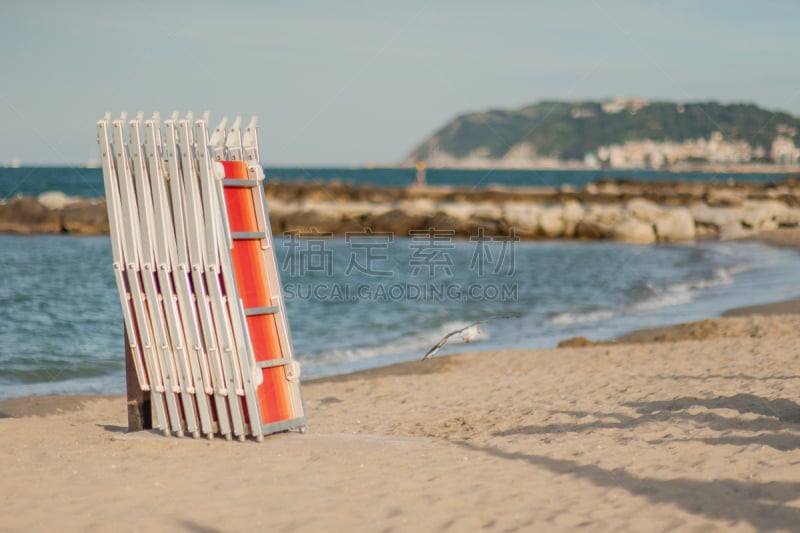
x,y
692,435
697,432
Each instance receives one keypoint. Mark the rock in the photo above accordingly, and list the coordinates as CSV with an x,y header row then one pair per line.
x,y
397,222
645,210
599,222
319,193
352,226
572,214
734,230
634,231
591,188
606,213
577,342
311,220
789,218
724,198
670,224
608,188
87,217
487,211
418,207
459,211
676,225
524,218
716,216
442,221
592,229
348,210
24,214
276,223
760,218
489,226
763,215
55,200
706,232
551,222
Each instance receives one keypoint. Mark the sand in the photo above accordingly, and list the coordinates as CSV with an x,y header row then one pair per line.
x,y
687,435
695,430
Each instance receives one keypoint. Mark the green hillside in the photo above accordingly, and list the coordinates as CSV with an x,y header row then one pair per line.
x,y
569,130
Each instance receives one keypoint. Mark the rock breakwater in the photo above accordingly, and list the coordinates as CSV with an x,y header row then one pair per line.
x,y
623,210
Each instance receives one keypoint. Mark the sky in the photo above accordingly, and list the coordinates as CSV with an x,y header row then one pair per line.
x,y
351,83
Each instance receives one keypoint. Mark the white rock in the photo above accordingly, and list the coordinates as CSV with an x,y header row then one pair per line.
x,y
459,211
734,230
676,224
725,197
551,221
790,217
716,216
633,230
671,224
645,210
573,212
465,211
605,213
487,210
353,210
763,215
55,200
418,206
523,217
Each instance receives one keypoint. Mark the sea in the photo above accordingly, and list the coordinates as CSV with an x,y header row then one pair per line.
x,y
356,304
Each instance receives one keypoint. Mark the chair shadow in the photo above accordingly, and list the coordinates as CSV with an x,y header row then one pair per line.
x,y
194,527
784,410
112,428
762,505
737,377
774,415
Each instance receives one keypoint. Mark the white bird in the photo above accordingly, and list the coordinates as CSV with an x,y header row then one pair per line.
x,y
469,333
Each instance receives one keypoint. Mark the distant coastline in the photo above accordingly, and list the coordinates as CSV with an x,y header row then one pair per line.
x,y
623,133
700,168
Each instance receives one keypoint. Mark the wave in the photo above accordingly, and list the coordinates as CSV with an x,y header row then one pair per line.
x,y
664,300
564,319
414,341
668,296
683,293
112,383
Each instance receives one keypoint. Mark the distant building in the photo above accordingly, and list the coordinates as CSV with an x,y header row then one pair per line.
x,y
784,151
618,105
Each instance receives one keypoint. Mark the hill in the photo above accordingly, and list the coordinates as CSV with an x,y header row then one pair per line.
x,y
616,133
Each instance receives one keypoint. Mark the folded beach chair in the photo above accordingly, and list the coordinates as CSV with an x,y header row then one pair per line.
x,y
197,277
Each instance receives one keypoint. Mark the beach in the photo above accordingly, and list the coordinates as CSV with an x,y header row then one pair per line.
x,y
688,428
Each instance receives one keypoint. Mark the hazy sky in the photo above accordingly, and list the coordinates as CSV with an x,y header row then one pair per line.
x,y
349,83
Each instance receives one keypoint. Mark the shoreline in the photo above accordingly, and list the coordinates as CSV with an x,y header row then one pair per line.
x,y
23,406
783,238
43,405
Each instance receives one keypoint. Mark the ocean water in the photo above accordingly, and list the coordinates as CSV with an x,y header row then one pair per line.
x,y
358,304
88,182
